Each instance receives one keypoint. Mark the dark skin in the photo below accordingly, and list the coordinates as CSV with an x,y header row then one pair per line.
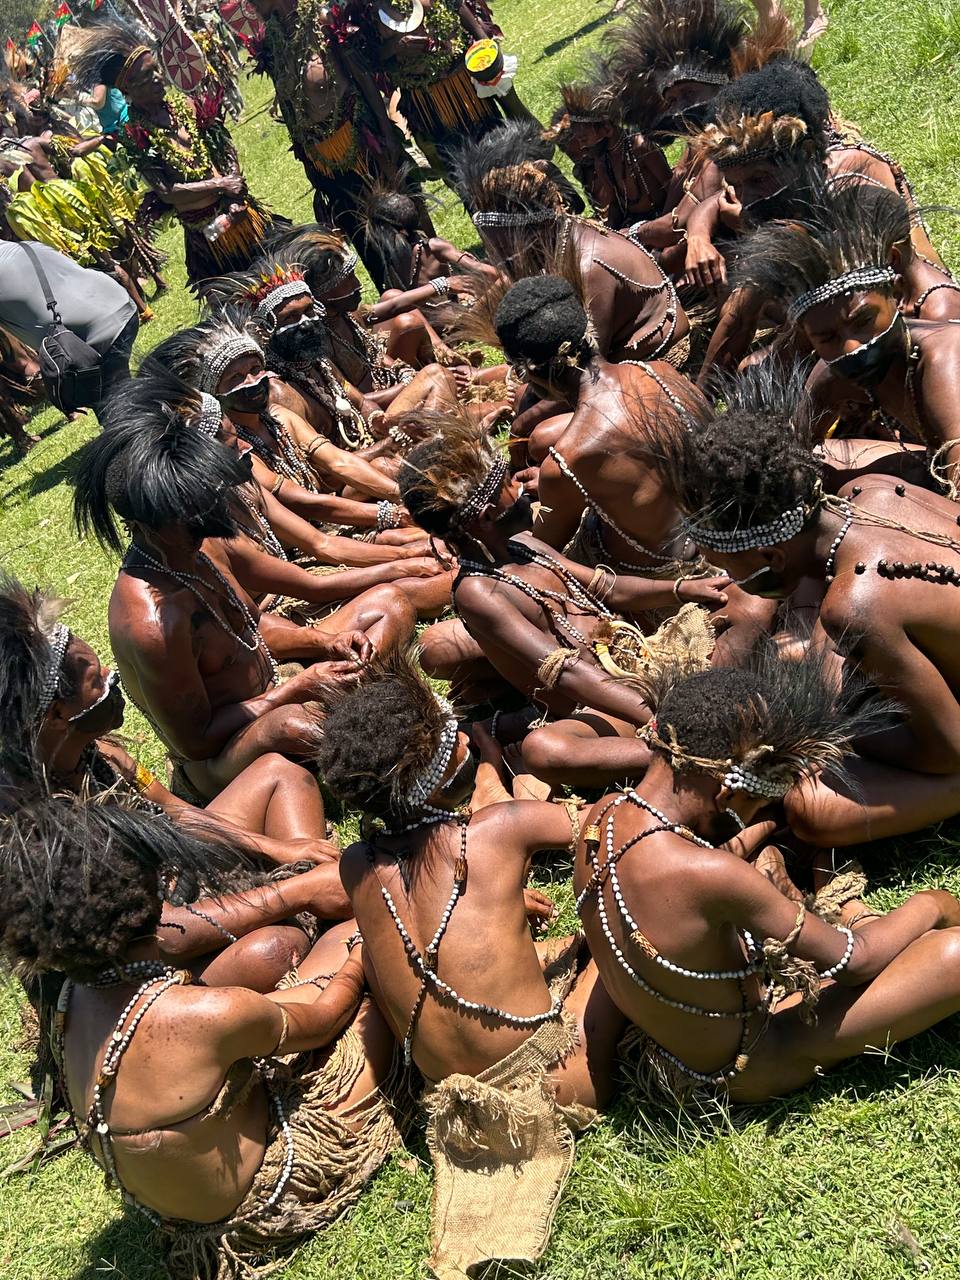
x,y
625,176
144,86
501,841
630,325
903,974
929,414
178,1060
900,635
515,634
219,710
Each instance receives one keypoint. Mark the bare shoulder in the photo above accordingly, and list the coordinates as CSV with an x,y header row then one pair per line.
x,y
145,621
354,865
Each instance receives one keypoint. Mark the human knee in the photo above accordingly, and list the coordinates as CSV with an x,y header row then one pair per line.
x,y
266,954
394,606
546,752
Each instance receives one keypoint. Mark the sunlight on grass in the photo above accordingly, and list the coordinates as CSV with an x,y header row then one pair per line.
x,y
853,1179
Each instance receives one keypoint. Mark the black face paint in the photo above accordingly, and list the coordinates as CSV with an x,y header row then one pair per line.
x,y
517,518
300,343
246,461
867,366
765,582
764,208
105,713
460,787
346,302
675,124
250,397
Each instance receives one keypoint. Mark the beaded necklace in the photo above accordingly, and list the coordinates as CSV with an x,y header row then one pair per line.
x,y
262,534
329,394
425,965
369,350
116,1047
192,163
188,580
285,458
567,471
543,596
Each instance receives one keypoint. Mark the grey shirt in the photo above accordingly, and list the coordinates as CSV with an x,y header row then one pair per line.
x,y
90,303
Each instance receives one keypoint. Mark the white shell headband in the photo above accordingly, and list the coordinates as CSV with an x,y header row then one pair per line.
x,y
869,277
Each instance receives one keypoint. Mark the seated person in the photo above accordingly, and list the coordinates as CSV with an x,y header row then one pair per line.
x,y
739,989
526,229
540,620
625,176
193,649
843,285
515,1042
175,1087
874,562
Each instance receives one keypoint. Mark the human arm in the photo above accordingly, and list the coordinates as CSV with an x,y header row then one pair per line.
x,y
186,934
260,574
517,648
937,395
311,1017
704,265
736,328
736,893
410,299
326,548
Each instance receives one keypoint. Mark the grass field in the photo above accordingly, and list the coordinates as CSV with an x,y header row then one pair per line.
x,y
853,1179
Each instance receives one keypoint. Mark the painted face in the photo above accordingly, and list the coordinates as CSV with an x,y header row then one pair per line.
x,y
98,705
759,571
244,386
457,787
300,342
346,297
859,336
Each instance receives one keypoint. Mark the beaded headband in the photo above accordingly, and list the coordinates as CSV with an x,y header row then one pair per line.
x,y
424,786
689,71
211,415
349,262
216,363
484,493
754,155
748,537
868,277
734,775
270,302
58,641
531,219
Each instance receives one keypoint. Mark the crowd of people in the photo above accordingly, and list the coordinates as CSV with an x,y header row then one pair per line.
x,y
650,555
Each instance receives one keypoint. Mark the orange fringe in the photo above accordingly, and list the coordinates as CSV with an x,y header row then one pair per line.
x,y
332,155
244,236
453,101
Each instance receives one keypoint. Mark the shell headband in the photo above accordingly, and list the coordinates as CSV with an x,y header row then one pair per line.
x,y
869,277
484,493
58,640
749,537
217,361
211,415
531,219
268,304
735,775
682,72
433,774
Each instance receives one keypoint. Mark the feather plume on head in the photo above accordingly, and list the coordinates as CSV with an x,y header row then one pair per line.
x,y
762,727
99,53
443,480
201,354
32,647
380,735
841,228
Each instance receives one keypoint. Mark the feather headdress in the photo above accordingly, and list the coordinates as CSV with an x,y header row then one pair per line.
x,y
99,53
201,354
446,480
744,140
32,645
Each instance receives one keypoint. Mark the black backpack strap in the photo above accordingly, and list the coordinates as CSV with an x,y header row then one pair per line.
x,y
44,282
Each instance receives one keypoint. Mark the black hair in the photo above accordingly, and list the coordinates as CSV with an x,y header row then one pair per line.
x,y
392,216
438,476
511,145
537,316
26,622
771,714
840,226
785,87
379,735
184,353
748,462
81,881
151,467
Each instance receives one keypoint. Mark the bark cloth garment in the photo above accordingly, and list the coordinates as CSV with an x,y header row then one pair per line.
x,y
334,1156
502,1147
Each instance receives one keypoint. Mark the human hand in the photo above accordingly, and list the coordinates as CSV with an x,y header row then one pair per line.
x,y
311,849
540,910
233,185
319,677
350,646
704,266
730,209
708,591
415,567
529,479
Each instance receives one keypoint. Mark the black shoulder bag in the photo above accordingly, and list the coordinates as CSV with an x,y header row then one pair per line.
x,y
70,367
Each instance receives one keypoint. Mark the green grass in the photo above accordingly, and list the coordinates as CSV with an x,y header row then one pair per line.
x,y
853,1179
